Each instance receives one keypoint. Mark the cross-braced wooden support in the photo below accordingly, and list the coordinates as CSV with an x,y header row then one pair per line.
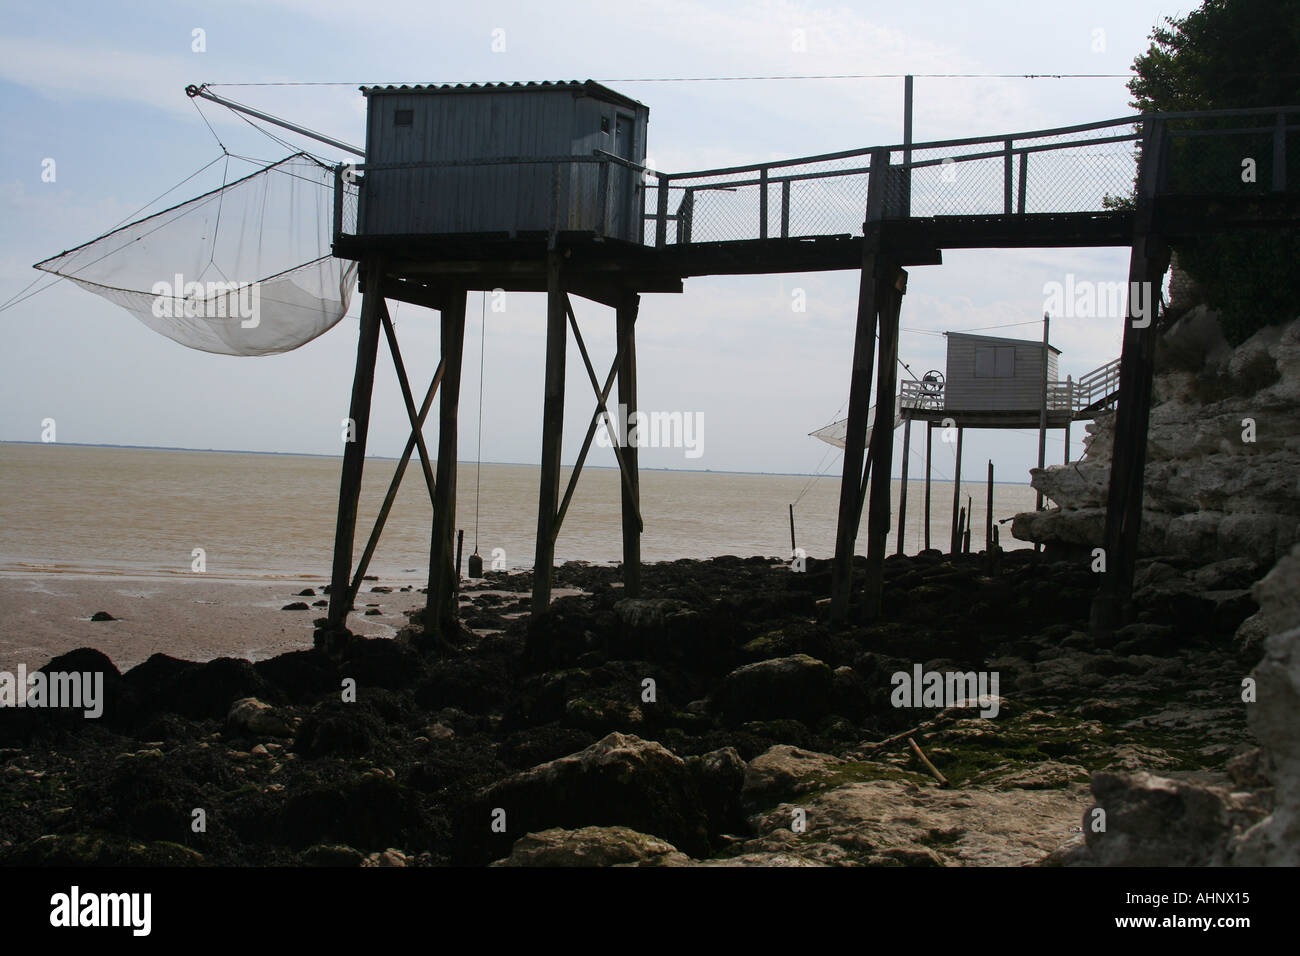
x,y
550,516
345,580
1148,263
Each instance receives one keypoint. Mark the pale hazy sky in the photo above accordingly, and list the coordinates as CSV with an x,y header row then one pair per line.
x,y
99,88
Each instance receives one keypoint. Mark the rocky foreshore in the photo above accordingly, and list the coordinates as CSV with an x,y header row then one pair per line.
x,y
719,720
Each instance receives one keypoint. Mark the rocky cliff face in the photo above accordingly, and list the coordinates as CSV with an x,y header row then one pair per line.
x,y
1221,510
1275,721
1249,816
1223,459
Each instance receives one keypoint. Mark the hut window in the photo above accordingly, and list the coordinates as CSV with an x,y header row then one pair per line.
x,y
604,124
995,362
404,117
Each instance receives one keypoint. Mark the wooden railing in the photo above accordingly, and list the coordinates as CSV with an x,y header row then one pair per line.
x,y
1099,387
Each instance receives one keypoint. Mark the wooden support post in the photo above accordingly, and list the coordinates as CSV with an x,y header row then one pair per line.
x,y
929,444
601,414
1067,442
1042,416
1147,264
552,429
793,546
965,528
955,544
902,493
882,446
864,354
625,331
1042,425
354,453
988,516
441,611
460,549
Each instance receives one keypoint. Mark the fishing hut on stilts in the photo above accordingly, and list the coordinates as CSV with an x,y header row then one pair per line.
x,y
524,187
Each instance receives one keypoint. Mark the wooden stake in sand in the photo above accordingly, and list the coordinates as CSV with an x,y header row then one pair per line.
x,y
943,781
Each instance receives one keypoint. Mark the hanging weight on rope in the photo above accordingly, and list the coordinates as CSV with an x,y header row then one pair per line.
x,y
475,565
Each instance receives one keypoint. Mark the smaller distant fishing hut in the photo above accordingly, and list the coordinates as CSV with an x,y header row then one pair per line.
x,y
996,382
988,382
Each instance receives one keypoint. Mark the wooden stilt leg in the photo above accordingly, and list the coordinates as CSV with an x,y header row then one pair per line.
x,y
631,498
955,547
354,453
864,353
552,433
988,514
929,444
882,446
855,443
902,494
1128,459
441,608
1147,264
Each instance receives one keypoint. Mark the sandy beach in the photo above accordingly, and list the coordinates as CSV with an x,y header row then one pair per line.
x,y
193,617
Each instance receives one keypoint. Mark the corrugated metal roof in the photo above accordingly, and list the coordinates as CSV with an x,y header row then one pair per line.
x,y
999,338
589,87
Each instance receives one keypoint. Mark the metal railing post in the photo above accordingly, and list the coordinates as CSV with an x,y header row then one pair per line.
x,y
1024,175
785,209
661,212
762,203
1006,177
686,217
338,201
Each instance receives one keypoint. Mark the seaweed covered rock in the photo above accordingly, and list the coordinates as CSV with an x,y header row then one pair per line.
x,y
593,846
619,780
372,812
797,687
257,719
197,691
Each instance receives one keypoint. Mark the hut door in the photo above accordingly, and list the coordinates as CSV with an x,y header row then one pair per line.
x,y
620,180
